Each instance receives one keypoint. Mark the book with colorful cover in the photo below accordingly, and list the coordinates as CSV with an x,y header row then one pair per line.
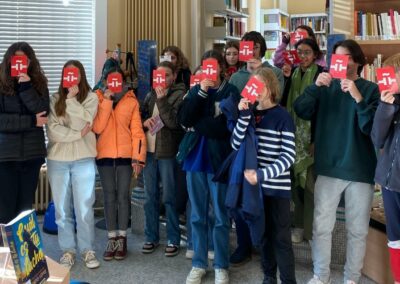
x,y
22,236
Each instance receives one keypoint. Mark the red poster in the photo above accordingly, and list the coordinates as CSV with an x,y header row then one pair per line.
x,y
252,89
195,80
159,79
209,69
70,77
386,78
338,68
297,36
19,64
114,82
291,57
246,50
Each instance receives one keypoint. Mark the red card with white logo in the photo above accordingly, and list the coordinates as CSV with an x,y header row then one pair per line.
x,y
159,79
209,69
246,50
386,78
297,36
19,64
114,82
252,89
338,68
195,79
70,77
291,57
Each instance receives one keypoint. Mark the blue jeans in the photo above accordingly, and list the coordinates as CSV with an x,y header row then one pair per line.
x,y
358,199
189,227
201,190
167,170
72,185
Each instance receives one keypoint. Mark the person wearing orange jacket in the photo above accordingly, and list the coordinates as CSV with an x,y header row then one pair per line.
x,y
121,151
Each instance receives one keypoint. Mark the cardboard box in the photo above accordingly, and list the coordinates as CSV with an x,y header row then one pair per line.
x,y
58,273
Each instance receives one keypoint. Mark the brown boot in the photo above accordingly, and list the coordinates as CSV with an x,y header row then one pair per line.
x,y
111,249
121,251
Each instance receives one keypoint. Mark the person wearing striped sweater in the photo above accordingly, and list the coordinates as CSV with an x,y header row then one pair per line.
x,y
275,155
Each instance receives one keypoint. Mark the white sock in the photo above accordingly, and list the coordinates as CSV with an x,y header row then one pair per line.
x,y
111,234
122,233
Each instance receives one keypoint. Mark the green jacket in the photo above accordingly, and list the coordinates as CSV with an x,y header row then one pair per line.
x,y
343,147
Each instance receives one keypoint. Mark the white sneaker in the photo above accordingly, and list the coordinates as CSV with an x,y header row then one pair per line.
x,y
68,259
210,255
221,276
195,275
350,282
90,259
297,235
316,280
189,253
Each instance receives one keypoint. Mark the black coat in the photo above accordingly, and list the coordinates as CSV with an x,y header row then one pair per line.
x,y
20,139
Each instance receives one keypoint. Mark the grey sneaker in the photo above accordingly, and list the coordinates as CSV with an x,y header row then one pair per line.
x,y
195,275
316,280
221,276
68,259
90,259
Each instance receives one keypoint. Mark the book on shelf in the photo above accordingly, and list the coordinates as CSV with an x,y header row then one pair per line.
x,y
369,70
374,26
317,23
22,236
219,21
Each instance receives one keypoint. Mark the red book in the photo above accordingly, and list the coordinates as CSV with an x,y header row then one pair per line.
x,y
114,82
19,64
246,50
209,69
296,36
291,57
70,77
338,68
386,78
253,89
159,79
195,80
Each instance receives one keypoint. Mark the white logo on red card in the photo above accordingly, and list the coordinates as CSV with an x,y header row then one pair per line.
x,y
338,68
19,64
114,82
195,80
159,79
246,50
291,57
209,69
70,77
253,89
297,36
386,78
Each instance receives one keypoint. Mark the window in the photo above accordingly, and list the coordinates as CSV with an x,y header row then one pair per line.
x,y
58,30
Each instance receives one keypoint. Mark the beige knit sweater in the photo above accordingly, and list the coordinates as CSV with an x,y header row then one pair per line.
x,y
64,133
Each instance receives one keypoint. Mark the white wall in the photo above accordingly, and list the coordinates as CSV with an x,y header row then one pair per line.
x,y
100,37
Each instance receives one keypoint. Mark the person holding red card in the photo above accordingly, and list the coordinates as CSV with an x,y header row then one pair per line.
x,y
163,135
231,55
180,62
71,163
385,133
24,106
344,159
202,150
121,151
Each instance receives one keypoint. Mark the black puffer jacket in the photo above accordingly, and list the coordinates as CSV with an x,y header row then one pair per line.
x,y
20,139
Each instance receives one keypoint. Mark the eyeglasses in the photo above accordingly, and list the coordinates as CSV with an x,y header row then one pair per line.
x,y
304,52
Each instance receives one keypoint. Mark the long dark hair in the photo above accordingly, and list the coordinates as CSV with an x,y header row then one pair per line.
x,y
311,43
35,72
83,87
355,51
309,30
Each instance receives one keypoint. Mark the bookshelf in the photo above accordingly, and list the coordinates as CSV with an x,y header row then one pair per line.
x,y
274,22
317,21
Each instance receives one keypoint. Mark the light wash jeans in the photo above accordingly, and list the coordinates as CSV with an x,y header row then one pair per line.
x,y
358,199
167,170
72,185
201,190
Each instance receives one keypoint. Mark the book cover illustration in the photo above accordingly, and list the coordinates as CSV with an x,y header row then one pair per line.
x,y
25,243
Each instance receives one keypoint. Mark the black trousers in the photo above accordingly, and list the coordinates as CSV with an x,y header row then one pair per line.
x,y
277,251
18,182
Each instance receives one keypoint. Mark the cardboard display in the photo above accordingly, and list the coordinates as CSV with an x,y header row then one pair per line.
x,y
338,68
291,57
246,50
386,78
252,89
195,80
19,64
209,69
159,79
114,82
297,36
70,77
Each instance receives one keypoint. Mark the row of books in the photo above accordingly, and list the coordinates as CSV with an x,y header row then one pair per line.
x,y
233,5
275,21
369,70
318,24
235,27
369,26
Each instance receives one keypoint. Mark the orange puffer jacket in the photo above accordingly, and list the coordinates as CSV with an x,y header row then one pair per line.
x,y
120,132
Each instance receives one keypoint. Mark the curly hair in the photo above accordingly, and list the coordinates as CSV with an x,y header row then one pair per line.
x,y
35,72
181,61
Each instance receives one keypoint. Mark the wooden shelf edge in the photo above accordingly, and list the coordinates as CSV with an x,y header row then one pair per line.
x,y
377,42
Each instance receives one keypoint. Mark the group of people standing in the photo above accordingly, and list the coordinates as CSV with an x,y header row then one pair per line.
x,y
307,138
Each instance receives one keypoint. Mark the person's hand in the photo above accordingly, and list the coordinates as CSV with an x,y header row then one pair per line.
x,y
137,168
286,38
286,70
349,86
387,96
85,130
251,176
149,123
41,119
108,94
206,83
160,92
323,79
243,104
23,77
72,91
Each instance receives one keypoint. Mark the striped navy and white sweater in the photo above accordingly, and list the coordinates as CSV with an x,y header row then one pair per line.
x,y
275,148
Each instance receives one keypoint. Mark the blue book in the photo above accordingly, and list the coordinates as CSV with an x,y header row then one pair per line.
x,y
22,236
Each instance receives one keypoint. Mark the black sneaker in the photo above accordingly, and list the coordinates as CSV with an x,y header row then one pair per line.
x,y
240,257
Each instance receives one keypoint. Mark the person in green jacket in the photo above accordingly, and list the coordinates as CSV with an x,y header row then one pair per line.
x,y
345,159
